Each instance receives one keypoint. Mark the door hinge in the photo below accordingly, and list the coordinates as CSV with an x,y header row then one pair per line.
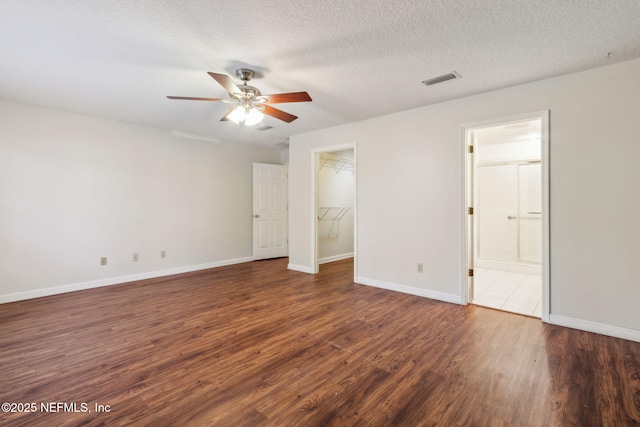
x,y
470,149
470,272
470,211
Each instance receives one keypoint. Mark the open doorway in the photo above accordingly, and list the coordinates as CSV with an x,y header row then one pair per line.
x,y
335,205
507,228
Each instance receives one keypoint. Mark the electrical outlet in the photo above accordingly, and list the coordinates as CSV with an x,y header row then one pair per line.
x,y
135,257
419,267
163,254
103,260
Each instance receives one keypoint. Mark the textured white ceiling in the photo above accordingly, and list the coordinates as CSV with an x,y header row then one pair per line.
x,y
357,59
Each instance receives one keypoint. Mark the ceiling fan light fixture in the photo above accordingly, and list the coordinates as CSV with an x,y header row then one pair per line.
x,y
238,114
253,117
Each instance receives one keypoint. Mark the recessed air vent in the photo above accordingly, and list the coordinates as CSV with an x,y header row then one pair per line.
x,y
266,127
440,79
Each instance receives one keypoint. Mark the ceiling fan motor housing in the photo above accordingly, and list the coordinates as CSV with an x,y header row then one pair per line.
x,y
245,74
249,92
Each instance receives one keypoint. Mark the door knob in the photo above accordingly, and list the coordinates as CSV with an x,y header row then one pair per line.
x,y
256,216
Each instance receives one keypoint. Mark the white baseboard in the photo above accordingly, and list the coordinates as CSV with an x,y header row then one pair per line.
x,y
335,258
37,293
301,268
440,296
598,328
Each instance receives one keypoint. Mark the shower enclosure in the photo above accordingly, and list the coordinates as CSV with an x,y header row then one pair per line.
x,y
509,216
508,201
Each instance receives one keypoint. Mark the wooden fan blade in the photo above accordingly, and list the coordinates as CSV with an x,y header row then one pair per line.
x,y
280,98
226,82
278,114
225,118
188,98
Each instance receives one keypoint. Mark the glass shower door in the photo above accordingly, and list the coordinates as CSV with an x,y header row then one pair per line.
x,y
497,237
509,216
530,213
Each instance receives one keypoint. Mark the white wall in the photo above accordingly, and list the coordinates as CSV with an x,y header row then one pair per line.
x,y
284,156
410,203
336,189
75,188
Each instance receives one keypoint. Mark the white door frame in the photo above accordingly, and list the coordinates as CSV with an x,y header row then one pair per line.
x,y
467,196
314,204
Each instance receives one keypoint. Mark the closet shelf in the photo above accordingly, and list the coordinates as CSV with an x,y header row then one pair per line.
x,y
337,212
332,214
339,164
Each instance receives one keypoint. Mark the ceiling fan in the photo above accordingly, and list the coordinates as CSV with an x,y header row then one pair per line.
x,y
251,104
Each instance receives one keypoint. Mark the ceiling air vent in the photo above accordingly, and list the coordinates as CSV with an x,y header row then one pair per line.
x,y
283,144
266,127
440,79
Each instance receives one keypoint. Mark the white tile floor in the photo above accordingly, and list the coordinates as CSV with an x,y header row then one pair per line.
x,y
508,291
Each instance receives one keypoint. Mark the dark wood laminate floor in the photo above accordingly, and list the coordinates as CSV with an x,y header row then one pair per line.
x,y
257,345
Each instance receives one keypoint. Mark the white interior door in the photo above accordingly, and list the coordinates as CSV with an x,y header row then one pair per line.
x,y
270,211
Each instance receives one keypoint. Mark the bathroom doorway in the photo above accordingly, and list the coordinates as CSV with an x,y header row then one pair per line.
x,y
507,227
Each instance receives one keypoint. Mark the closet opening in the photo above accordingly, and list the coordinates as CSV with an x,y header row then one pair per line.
x,y
335,205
